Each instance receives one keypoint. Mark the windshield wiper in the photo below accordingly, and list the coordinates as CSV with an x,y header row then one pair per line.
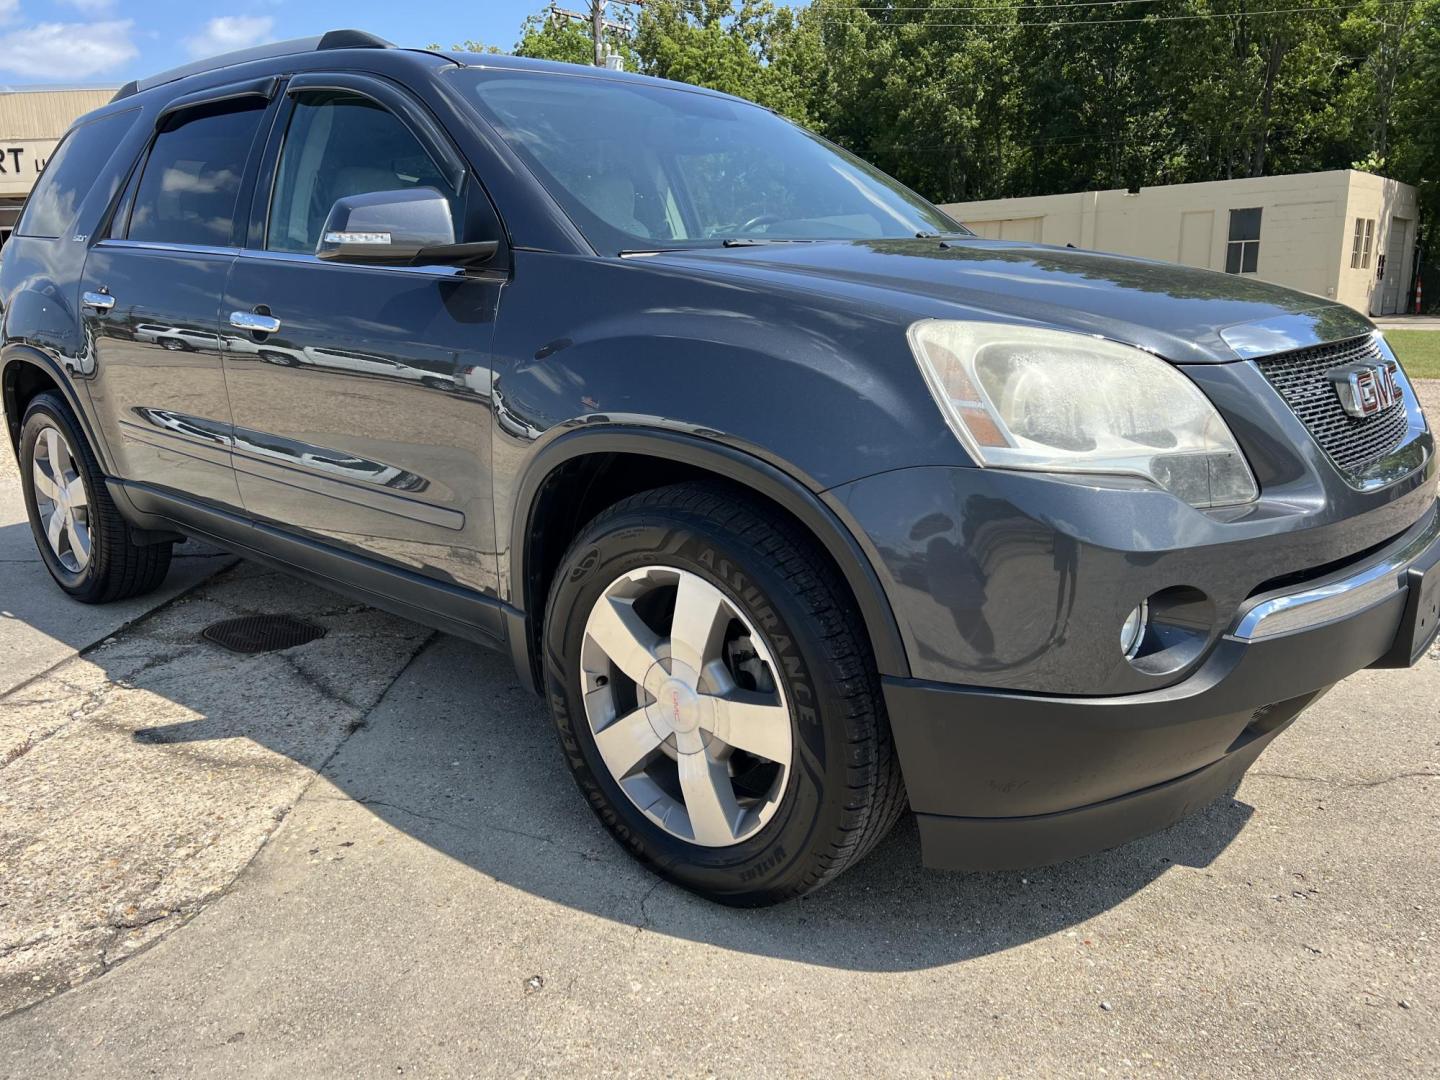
x,y
727,242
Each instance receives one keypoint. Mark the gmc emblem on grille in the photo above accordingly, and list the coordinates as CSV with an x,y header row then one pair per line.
x,y
1366,389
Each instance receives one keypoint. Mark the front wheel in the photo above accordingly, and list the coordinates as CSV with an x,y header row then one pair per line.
x,y
716,697
85,543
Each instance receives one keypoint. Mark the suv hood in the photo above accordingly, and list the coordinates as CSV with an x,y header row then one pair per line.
x,y
1183,314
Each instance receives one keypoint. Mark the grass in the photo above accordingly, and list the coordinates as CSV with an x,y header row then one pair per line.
x,y
1418,350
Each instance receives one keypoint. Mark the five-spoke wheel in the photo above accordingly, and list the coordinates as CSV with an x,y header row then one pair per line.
x,y
715,695
681,696
60,499
91,551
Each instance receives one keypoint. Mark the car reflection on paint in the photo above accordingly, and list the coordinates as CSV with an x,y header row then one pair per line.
x,y
177,338
359,363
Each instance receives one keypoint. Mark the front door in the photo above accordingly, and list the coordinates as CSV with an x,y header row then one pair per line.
x,y
151,294
1393,281
354,423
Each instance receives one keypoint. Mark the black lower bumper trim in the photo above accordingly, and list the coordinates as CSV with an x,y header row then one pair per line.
x,y
956,843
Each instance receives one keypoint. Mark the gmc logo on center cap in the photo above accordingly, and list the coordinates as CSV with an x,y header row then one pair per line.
x,y
1366,389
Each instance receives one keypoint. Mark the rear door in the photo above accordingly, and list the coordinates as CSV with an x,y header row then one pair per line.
x,y
151,297
354,422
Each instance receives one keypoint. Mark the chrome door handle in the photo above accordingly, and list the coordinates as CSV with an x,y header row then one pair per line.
x,y
98,300
256,324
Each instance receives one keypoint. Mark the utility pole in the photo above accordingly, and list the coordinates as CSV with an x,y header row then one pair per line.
x,y
598,22
597,29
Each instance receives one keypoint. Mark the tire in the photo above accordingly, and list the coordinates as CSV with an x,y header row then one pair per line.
x,y
114,567
841,791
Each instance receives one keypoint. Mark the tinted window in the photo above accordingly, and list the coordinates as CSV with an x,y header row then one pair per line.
x,y
339,145
1245,224
71,173
640,166
191,182
1242,252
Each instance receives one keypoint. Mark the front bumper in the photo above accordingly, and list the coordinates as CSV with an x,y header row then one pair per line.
x,y
1001,779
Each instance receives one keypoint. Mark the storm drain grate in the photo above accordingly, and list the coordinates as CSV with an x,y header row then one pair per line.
x,y
262,633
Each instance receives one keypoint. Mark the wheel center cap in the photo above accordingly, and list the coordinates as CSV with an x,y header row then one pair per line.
x,y
676,706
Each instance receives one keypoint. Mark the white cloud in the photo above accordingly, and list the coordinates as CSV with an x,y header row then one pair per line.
x,y
9,11
230,32
66,52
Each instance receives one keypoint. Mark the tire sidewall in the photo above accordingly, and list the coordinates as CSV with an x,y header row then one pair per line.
x,y
42,413
775,859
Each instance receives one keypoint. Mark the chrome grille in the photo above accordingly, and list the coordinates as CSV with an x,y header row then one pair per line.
x,y
1350,442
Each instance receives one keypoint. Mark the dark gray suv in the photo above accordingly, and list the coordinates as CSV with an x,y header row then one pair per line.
x,y
798,502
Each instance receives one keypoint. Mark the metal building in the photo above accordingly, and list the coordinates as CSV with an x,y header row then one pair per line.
x,y
32,120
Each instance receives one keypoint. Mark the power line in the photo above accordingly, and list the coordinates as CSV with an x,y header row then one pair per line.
x,y
836,16
1089,138
819,5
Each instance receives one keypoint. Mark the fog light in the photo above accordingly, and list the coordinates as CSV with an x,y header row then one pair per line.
x,y
1133,632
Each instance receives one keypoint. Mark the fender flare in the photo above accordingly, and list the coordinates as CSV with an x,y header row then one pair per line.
x,y
803,502
11,358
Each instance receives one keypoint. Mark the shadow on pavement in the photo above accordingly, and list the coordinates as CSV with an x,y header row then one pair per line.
x,y
39,628
461,758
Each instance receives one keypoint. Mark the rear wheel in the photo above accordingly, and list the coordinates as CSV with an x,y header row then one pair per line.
x,y
716,697
85,543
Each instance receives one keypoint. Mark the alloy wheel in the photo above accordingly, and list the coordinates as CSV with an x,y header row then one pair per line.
x,y
683,700
60,500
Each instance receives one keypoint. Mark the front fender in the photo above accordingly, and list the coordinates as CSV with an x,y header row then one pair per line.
x,y
823,385
825,521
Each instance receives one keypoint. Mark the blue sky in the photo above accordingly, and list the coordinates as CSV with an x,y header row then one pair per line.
x,y
111,41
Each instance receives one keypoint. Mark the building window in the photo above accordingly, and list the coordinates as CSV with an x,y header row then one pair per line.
x,y
1363,244
1242,254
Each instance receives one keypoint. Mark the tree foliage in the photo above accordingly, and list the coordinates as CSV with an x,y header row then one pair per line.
x,y
966,99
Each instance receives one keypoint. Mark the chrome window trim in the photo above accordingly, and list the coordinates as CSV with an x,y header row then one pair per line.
x,y
1348,595
436,271
113,243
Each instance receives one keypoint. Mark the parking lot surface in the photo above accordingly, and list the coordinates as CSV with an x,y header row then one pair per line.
x,y
364,856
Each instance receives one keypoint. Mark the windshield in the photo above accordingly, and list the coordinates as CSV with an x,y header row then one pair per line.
x,y
642,166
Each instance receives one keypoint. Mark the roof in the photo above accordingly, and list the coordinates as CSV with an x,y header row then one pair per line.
x,y
505,62
334,39
56,88
360,39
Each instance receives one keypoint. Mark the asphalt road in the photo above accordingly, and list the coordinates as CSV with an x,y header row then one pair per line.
x,y
363,856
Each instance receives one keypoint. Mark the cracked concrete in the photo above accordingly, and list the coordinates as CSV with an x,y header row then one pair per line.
x,y
140,778
440,902
36,632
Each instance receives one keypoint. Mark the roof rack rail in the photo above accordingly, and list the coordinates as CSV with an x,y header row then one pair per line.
x,y
334,39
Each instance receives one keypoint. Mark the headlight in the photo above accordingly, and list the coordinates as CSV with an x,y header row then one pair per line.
x,y
1020,397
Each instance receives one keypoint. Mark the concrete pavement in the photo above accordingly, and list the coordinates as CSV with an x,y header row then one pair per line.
x,y
1408,322
36,633
438,902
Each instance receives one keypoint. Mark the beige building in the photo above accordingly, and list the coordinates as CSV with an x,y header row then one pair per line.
x,y
31,123
1346,235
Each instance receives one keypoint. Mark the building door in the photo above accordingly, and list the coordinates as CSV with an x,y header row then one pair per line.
x,y
1196,229
1027,229
1393,280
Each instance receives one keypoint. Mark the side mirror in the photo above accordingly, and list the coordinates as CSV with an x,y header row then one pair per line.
x,y
396,228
